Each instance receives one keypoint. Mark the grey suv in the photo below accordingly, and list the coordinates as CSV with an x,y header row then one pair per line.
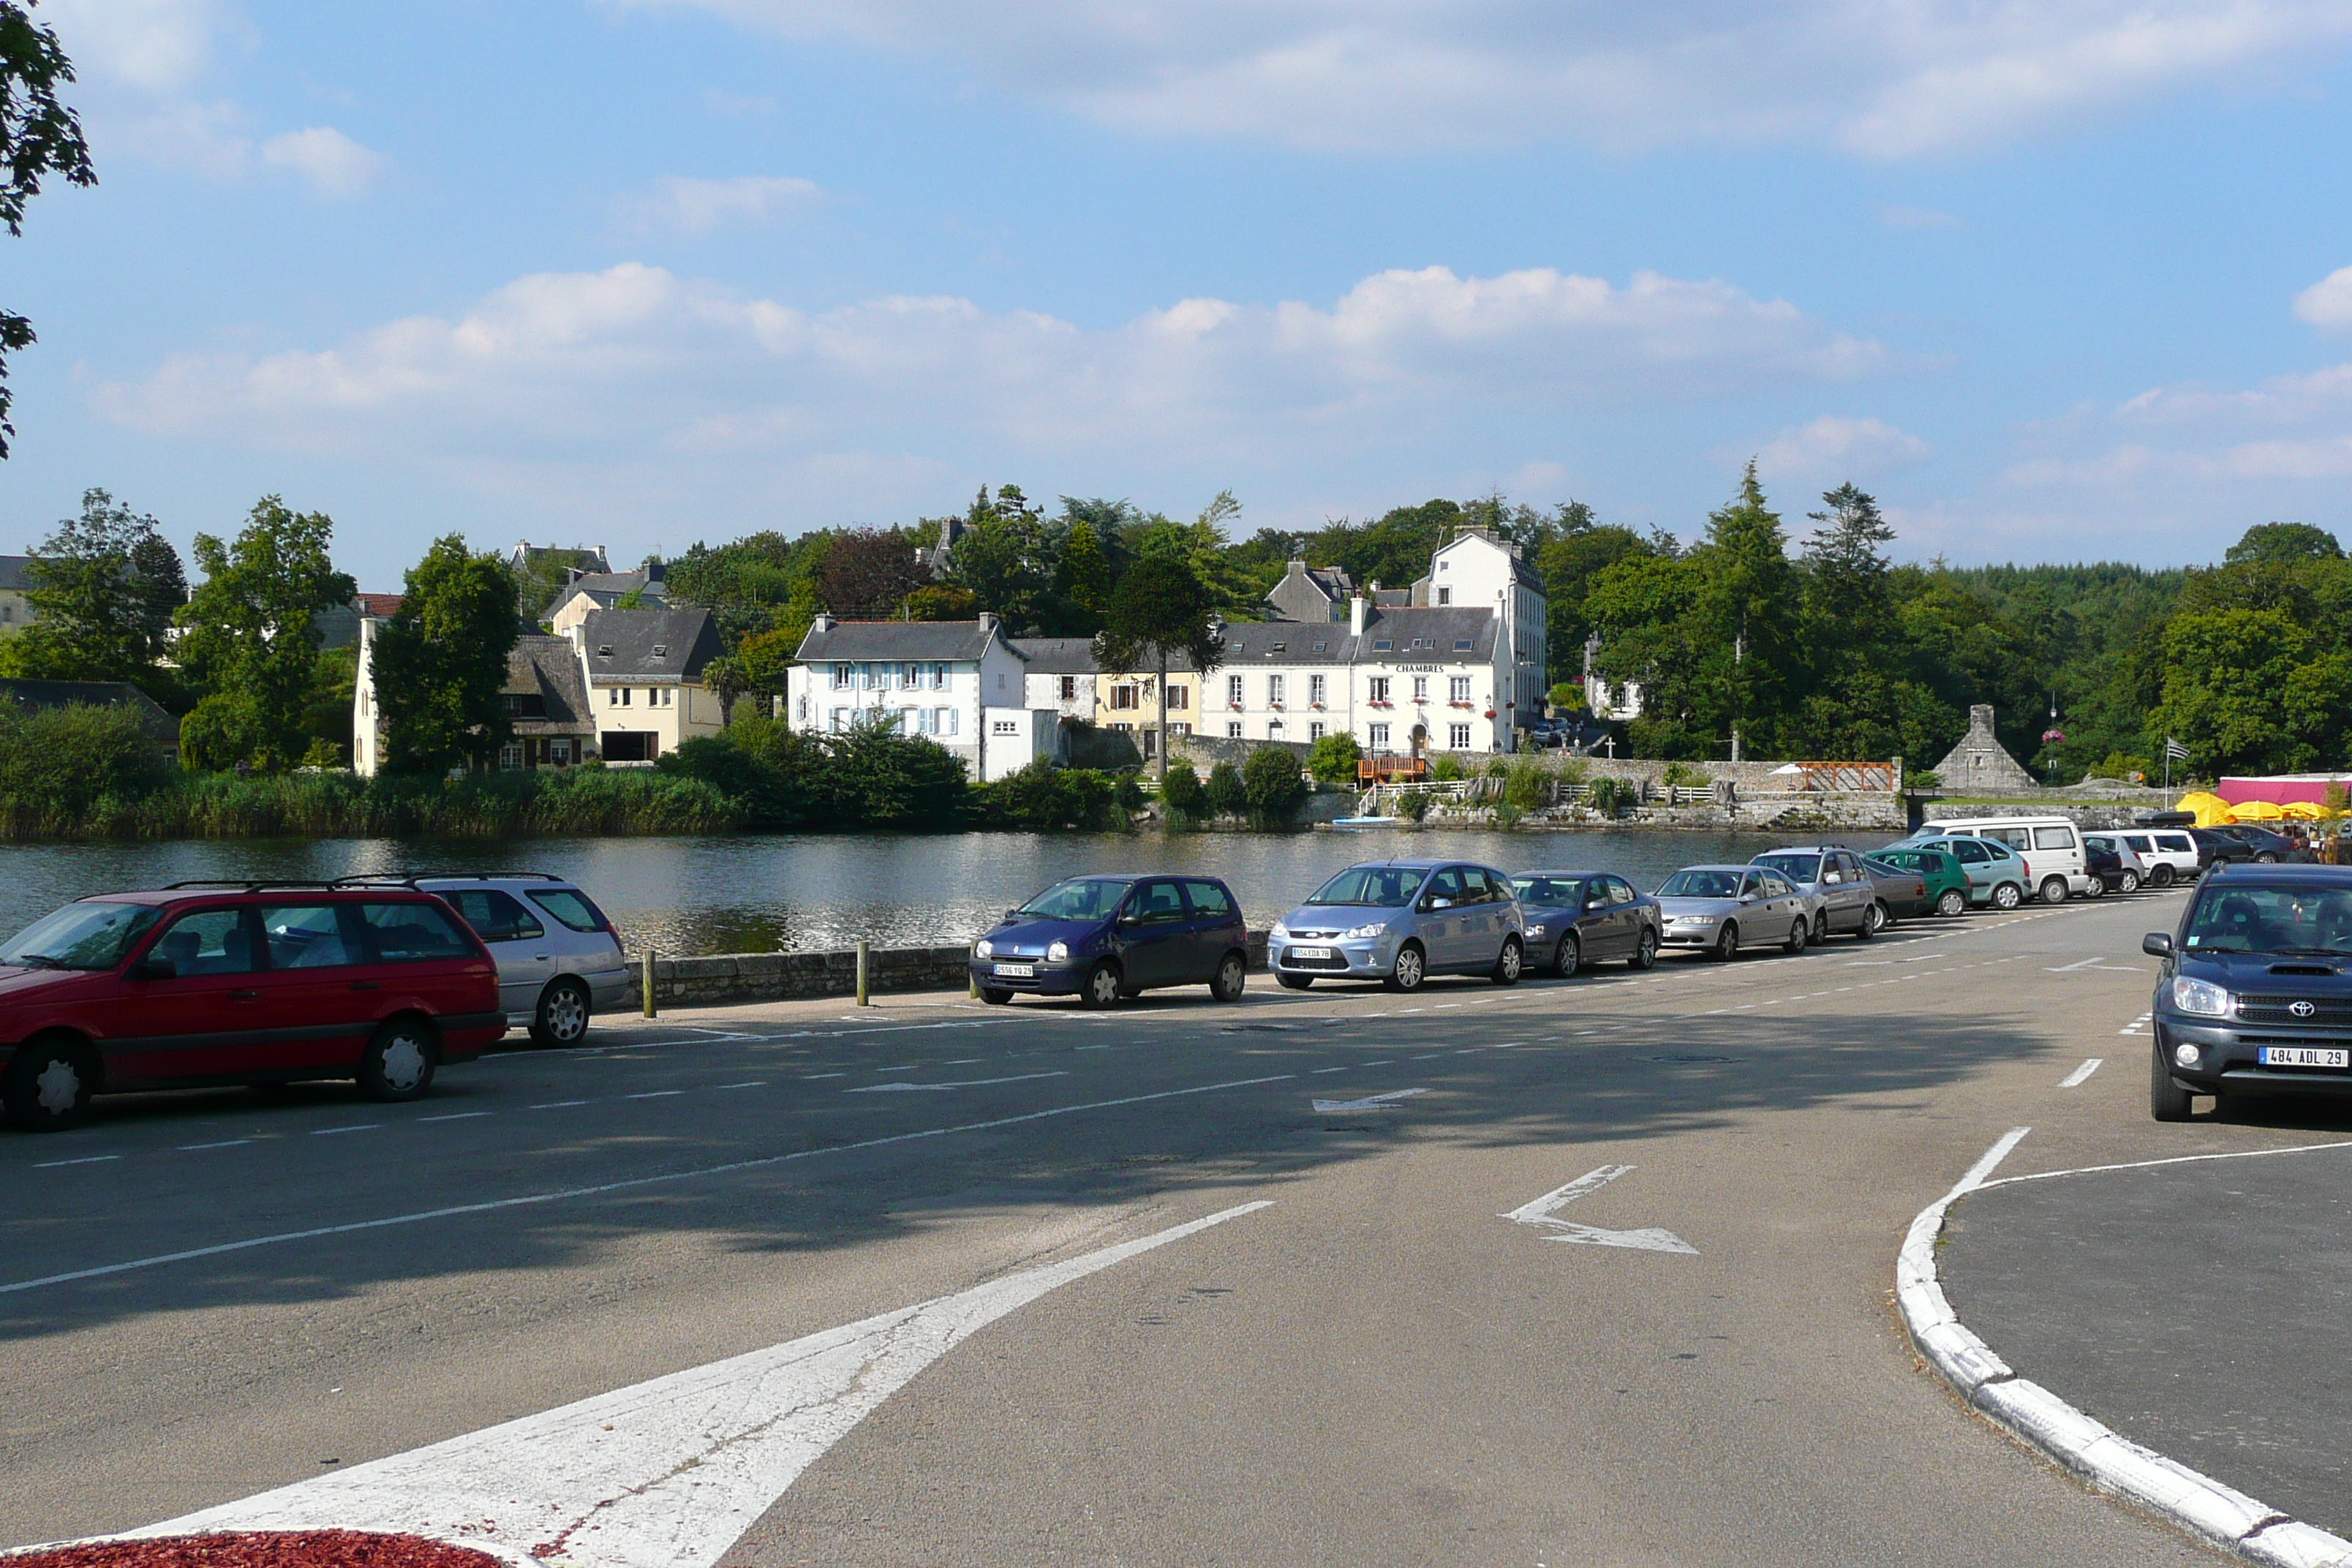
x,y
1400,921
559,959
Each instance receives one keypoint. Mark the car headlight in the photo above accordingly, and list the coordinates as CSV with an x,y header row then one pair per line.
x,y
1279,933
984,948
1375,928
1057,952
2200,998
1534,931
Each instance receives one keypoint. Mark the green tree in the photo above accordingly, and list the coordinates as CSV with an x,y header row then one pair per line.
x,y
441,661
1183,793
104,586
38,135
1745,619
1159,609
1227,792
1333,758
252,637
1085,581
1271,780
58,762
1574,551
1005,559
2286,543
877,778
2253,690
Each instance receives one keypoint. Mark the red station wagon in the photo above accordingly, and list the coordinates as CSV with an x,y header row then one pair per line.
x,y
242,982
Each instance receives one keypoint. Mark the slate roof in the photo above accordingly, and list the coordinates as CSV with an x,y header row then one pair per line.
x,y
12,572
1057,655
159,726
548,667
1253,643
617,583
852,641
583,557
649,645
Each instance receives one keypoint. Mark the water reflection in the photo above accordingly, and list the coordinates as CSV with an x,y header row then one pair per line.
x,y
808,892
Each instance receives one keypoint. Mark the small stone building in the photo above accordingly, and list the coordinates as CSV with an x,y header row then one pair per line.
x,y
1980,763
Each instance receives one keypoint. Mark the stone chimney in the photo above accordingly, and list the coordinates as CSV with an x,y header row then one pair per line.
x,y
988,625
1356,615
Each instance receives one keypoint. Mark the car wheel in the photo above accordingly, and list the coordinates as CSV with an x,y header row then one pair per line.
x,y
1508,962
2097,889
1645,950
48,1085
398,1062
2054,889
2162,875
1569,957
1411,968
2167,1101
1102,988
1873,920
1294,981
562,1018
2265,858
2130,883
1727,943
2008,896
1799,929
1231,975
995,996
1820,931
1951,901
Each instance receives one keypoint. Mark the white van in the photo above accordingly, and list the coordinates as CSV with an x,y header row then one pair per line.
x,y
2053,847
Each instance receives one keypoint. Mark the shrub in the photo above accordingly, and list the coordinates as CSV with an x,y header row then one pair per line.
x,y
1529,787
1270,779
873,776
1684,775
1446,769
1128,793
1333,759
55,763
1042,795
1228,795
1413,804
1497,768
1183,792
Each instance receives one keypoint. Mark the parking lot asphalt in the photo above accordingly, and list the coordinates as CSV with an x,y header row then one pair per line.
x,y
2200,1309
1446,1338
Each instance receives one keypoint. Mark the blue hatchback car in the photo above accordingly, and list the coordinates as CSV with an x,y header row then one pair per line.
x,y
1104,938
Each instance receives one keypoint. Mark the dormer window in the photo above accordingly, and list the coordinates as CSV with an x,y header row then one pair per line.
x,y
1461,645
1382,645
1279,647
1321,645
661,650
604,650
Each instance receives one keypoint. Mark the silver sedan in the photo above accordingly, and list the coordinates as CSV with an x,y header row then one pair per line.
x,y
1721,909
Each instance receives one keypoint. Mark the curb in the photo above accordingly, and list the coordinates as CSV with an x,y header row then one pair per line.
x,y
2105,1458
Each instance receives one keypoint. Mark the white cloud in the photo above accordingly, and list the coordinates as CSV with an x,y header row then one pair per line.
x,y
1835,447
2328,302
203,139
333,163
698,206
156,46
594,383
1883,78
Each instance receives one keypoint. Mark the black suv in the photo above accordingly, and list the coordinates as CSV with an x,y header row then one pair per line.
x,y
2255,995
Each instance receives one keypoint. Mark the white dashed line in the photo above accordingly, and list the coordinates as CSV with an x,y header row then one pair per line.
x,y
355,1127
85,1159
2074,1079
454,1116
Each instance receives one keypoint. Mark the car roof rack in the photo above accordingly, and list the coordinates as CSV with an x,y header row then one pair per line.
x,y
410,879
247,884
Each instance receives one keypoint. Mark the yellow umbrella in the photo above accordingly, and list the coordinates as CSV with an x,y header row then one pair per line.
x,y
2256,811
2211,809
2305,810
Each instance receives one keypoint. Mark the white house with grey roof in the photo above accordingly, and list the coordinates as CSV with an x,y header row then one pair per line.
x,y
1398,678
963,684
1477,569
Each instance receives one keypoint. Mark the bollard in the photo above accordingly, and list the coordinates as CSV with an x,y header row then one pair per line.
x,y
651,1010
862,953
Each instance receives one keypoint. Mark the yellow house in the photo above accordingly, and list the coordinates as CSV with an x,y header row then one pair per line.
x,y
1130,702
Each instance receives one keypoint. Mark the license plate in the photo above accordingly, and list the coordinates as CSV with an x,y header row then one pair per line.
x,y
2304,1057
1311,953
1018,970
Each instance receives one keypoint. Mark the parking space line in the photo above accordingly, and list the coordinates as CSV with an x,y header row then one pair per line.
x,y
226,1144
556,1104
355,1127
653,1094
2076,1079
85,1159
454,1116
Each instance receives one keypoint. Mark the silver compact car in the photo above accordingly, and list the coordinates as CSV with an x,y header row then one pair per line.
x,y
1400,921
1722,909
560,961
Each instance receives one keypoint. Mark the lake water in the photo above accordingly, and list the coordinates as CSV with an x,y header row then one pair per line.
x,y
815,891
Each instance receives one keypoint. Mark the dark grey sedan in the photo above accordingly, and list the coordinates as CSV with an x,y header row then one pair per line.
x,y
1575,918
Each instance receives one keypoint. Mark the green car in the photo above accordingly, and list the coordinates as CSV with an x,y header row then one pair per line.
x,y
1947,882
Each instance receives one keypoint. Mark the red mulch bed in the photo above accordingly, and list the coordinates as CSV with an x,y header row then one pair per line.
x,y
262,1549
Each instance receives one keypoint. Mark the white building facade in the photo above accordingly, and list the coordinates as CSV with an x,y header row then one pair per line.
x,y
959,683
1476,569
1399,679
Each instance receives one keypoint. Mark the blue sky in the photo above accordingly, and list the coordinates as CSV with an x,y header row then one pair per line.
x,y
2056,280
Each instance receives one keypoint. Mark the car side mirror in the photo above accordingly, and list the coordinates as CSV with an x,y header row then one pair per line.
x,y
1128,923
2157,944
1441,903
155,969
1011,915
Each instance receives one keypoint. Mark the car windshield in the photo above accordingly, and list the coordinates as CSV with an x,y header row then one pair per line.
x,y
1701,885
1796,868
1380,886
2256,919
1079,898
80,936
1548,890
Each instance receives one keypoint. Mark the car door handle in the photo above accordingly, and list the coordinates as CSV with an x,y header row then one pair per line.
x,y
243,996
363,985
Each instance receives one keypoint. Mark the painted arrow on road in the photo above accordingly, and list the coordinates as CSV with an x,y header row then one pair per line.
x,y
1374,1102
1540,1212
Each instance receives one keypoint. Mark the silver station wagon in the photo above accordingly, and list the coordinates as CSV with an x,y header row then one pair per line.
x,y
1400,921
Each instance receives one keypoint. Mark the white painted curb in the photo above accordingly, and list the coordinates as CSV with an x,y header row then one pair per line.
x,y
2107,1461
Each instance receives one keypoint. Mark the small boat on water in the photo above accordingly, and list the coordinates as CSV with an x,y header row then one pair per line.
x,y
1366,821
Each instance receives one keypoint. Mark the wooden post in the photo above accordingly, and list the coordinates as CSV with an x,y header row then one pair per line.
x,y
863,953
652,1009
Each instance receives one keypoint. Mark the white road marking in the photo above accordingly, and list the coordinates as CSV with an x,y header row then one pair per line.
x,y
2074,1079
555,1104
968,1083
454,1116
1425,1056
1319,1070
229,1143
672,1471
812,1077
653,1094
630,1183
2173,1160
2069,969
355,1127
754,1083
85,1159
1540,1211
2135,1026
1370,1102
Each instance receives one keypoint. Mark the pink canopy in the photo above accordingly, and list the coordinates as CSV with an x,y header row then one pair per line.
x,y
2280,789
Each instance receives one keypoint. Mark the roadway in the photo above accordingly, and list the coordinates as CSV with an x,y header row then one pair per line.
x,y
1688,1357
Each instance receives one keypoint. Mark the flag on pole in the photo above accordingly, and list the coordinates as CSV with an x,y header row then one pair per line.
x,y
2174,749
